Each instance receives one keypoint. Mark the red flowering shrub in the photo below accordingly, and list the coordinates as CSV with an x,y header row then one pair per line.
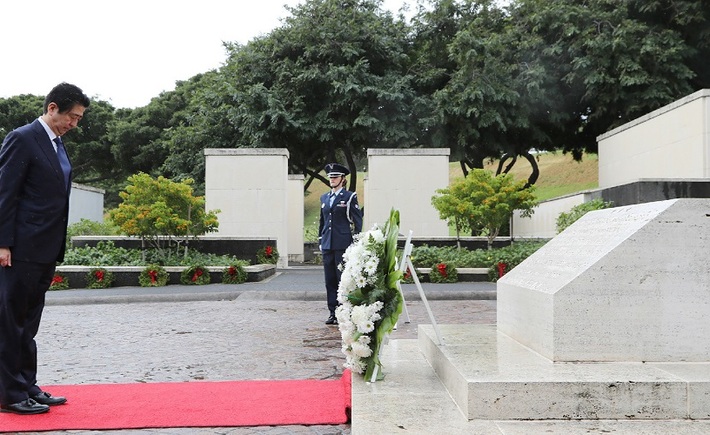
x,y
59,282
153,275
443,272
234,274
99,278
267,255
195,275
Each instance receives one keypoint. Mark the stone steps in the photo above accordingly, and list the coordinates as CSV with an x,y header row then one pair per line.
x,y
493,377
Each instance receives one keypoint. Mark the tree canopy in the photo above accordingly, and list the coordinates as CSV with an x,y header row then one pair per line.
x,y
328,84
158,208
341,76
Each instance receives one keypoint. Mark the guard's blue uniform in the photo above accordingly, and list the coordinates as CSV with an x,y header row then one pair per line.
x,y
337,225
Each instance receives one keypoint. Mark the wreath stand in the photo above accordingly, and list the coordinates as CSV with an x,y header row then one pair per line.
x,y
403,265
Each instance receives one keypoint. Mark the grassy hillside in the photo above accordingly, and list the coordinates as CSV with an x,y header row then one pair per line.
x,y
559,175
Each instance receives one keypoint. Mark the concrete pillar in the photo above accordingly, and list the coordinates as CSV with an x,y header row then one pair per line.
x,y
295,217
250,187
406,179
86,202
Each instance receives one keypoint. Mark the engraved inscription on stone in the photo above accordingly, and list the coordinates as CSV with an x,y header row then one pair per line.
x,y
580,246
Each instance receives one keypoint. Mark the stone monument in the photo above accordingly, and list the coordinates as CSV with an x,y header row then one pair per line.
x,y
621,284
608,320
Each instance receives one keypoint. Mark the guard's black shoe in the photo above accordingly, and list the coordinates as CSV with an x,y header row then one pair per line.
x,y
331,320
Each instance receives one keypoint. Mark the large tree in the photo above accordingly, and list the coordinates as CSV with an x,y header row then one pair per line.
x,y
615,62
17,111
329,83
150,139
487,96
552,74
445,121
498,97
90,149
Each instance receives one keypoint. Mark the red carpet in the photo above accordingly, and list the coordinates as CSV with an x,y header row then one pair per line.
x,y
191,404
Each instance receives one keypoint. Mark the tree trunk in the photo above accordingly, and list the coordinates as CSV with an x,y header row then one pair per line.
x,y
353,169
535,169
464,167
458,234
503,159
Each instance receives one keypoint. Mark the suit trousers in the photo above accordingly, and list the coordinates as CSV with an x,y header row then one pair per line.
x,y
22,293
331,259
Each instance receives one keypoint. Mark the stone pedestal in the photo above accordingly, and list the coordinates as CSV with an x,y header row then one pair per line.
x,y
609,320
621,284
493,377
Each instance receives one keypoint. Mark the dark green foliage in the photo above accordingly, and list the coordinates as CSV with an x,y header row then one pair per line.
x,y
90,148
17,111
104,254
328,84
107,254
511,256
425,256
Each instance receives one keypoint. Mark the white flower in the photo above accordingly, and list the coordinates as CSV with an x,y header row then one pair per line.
x,y
355,364
365,327
371,266
360,281
377,306
347,285
361,350
357,320
377,234
365,316
360,314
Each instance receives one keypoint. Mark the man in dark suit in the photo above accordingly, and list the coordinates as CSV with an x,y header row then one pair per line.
x,y
340,219
35,181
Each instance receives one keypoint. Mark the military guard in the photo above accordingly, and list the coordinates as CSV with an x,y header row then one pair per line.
x,y
340,219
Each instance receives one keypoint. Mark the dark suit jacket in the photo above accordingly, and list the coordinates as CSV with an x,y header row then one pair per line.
x,y
34,199
338,223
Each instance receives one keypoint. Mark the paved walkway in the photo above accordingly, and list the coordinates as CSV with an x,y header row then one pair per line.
x,y
267,330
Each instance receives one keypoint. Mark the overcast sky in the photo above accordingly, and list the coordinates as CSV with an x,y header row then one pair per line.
x,y
129,51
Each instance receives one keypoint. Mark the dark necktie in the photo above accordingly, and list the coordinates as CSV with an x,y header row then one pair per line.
x,y
332,195
63,159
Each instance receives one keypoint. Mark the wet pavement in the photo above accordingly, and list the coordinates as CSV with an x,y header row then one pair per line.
x,y
267,330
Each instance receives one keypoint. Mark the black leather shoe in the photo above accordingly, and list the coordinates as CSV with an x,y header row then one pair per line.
x,y
331,320
28,406
47,399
